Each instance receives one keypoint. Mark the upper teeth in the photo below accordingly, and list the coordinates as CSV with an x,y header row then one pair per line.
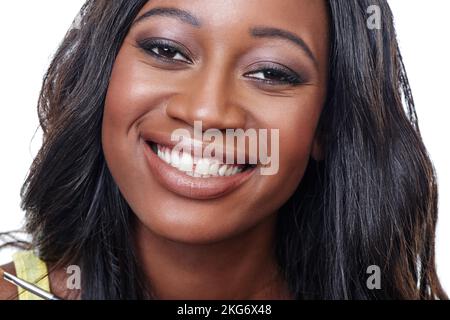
x,y
204,168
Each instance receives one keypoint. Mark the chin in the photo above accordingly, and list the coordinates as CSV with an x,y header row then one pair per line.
x,y
195,226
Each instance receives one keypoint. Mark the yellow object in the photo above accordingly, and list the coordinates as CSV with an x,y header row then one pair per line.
x,y
32,269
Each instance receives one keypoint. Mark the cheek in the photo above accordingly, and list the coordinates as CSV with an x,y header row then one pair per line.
x,y
133,93
128,98
296,140
297,123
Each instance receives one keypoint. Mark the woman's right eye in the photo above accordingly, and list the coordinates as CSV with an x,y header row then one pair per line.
x,y
164,50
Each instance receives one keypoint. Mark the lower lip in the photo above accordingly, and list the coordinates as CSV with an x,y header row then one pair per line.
x,y
191,187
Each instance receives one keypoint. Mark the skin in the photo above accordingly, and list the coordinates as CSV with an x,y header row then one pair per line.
x,y
220,248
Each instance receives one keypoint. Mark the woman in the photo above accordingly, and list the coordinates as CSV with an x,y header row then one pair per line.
x,y
355,190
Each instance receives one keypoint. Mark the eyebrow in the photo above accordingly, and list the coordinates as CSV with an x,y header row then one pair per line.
x,y
257,32
182,15
269,32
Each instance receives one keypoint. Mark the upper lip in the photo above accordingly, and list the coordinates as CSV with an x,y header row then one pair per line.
x,y
163,138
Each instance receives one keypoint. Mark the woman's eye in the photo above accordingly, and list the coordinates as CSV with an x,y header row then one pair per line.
x,y
165,51
169,53
275,76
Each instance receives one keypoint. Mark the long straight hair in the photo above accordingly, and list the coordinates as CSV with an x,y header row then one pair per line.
x,y
371,202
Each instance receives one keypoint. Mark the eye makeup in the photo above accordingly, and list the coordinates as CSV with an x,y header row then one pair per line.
x,y
166,50
174,53
275,74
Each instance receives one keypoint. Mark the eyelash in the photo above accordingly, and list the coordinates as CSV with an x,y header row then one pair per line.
x,y
290,77
287,76
150,44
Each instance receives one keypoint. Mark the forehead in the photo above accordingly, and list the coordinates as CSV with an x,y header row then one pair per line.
x,y
232,11
231,19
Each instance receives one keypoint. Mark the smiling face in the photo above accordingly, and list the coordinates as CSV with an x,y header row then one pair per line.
x,y
234,64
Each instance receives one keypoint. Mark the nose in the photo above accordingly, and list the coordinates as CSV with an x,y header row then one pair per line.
x,y
208,97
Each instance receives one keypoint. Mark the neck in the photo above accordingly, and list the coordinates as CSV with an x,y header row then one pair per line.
x,y
242,267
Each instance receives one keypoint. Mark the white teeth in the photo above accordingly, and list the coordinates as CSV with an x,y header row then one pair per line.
x,y
167,155
229,171
223,170
214,169
202,168
175,159
186,162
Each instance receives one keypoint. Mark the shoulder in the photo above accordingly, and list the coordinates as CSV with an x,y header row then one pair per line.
x,y
8,291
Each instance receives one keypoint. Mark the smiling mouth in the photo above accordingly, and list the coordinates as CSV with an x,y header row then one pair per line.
x,y
197,167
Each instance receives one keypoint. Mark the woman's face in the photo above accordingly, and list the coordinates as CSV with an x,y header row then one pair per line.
x,y
229,64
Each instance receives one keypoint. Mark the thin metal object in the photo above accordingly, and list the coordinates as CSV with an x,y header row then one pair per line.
x,y
29,286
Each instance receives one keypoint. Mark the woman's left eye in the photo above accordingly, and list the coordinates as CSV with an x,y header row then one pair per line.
x,y
162,49
275,76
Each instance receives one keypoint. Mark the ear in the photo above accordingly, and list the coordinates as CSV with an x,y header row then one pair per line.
x,y
317,152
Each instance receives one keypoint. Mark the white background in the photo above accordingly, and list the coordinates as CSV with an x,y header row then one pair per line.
x,y
30,32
